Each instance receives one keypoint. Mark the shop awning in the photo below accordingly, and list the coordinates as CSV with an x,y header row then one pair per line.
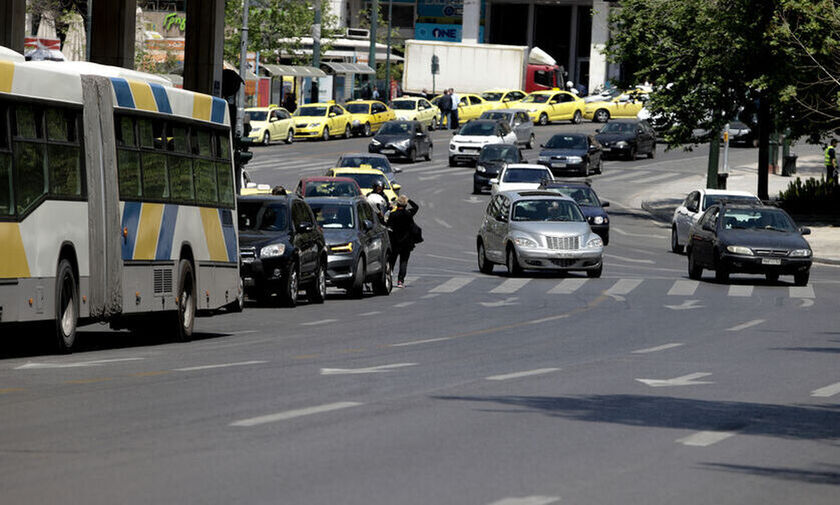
x,y
348,68
293,70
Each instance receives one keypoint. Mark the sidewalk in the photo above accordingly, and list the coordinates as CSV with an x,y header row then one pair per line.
x,y
661,200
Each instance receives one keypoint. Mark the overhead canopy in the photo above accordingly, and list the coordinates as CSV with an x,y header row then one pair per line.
x,y
348,68
293,70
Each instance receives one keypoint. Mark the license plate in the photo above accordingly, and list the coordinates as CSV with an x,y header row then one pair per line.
x,y
388,151
771,261
605,149
249,282
247,260
558,165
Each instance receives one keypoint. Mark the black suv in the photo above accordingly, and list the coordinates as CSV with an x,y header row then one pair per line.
x,y
281,248
491,160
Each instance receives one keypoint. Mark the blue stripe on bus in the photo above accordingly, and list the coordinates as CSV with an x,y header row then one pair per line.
x,y
167,232
123,92
130,221
217,115
161,98
226,217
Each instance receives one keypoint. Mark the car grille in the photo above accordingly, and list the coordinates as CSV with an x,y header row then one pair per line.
x,y
561,159
563,243
248,252
771,252
469,149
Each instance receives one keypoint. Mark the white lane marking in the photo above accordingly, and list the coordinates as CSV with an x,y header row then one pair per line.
x,y
628,175
291,414
657,348
683,288
686,305
452,285
567,286
748,324
736,290
316,323
371,369
527,500
705,438
77,364
623,287
220,365
654,178
404,304
371,313
629,260
420,342
807,302
802,292
547,319
827,391
517,375
242,332
430,295
443,223
685,380
510,286
628,234
511,300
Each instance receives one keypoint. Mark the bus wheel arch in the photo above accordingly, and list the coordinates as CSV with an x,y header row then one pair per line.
x,y
186,299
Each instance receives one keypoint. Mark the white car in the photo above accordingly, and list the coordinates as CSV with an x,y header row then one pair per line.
x,y
694,205
466,145
520,177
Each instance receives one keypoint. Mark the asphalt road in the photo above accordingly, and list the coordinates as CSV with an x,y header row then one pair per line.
x,y
641,387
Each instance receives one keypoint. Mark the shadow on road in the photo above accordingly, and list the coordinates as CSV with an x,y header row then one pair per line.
x,y
831,476
831,350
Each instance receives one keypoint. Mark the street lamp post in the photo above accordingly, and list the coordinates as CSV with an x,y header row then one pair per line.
x,y
388,53
243,66
316,49
374,21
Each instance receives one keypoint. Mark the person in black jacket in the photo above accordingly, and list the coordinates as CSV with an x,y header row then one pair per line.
x,y
445,106
403,234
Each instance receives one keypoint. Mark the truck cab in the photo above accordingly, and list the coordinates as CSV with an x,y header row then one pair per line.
x,y
542,77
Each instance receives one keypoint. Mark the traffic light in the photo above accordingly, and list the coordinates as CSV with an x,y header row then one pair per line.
x,y
435,64
241,151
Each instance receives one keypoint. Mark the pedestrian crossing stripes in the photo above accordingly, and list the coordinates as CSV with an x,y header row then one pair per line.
x,y
655,178
624,287
683,288
801,292
628,175
737,290
510,286
452,285
567,286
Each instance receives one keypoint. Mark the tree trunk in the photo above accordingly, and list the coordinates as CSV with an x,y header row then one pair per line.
x,y
764,127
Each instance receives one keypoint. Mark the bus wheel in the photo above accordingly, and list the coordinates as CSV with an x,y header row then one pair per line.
x,y
185,301
67,307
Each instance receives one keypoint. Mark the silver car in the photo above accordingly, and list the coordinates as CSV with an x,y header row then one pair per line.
x,y
537,230
519,121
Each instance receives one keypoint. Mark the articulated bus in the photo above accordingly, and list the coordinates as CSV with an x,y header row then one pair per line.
x,y
116,201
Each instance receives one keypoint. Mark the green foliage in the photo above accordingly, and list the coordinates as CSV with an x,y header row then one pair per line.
x,y
814,196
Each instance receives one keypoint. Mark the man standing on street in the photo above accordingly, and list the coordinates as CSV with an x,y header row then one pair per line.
x,y
445,106
831,161
453,114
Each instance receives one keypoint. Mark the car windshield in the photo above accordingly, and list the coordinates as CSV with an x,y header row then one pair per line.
x,y
330,188
567,142
536,99
713,199
358,108
504,116
255,115
757,219
261,216
403,105
546,210
500,152
358,161
583,196
395,128
367,180
534,175
331,215
492,96
619,127
311,111
478,128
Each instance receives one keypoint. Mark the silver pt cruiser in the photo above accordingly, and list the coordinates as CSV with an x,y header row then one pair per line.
x,y
537,230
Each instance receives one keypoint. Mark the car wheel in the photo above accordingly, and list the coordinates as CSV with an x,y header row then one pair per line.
x,y
631,156
595,273
695,271
434,124
412,155
290,137
512,263
721,273
602,116
771,276
317,291
428,156
185,315
67,307
543,119
577,117
652,154
385,283
367,130
531,142
326,134
266,139
452,161
238,305
476,190
347,131
801,278
357,287
291,286
485,266
606,238
675,241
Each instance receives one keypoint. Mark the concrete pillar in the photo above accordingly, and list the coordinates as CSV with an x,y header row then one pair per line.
x,y
338,8
112,36
531,21
203,48
600,37
12,24
471,21
573,40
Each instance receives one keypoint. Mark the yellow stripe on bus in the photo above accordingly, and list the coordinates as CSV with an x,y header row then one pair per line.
x,y
143,97
13,262
213,234
202,104
148,230
7,75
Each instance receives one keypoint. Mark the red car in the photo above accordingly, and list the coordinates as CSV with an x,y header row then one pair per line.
x,y
328,186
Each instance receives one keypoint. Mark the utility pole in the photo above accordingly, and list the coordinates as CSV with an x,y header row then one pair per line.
x,y
243,68
714,158
316,49
374,21
388,54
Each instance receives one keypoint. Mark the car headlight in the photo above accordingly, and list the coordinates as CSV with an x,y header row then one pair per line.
x,y
621,143
739,249
595,241
314,124
525,242
544,158
599,220
375,142
342,248
574,159
480,168
800,253
272,251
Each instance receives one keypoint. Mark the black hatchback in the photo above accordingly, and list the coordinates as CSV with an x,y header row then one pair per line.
x,y
572,153
281,248
627,138
491,160
586,198
403,139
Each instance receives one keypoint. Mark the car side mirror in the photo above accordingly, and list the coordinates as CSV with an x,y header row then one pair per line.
x,y
805,231
605,204
273,119
332,114
397,170
506,99
597,130
305,227
367,224
396,188
454,132
494,180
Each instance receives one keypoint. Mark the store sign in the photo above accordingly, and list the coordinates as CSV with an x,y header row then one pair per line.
x,y
175,20
441,32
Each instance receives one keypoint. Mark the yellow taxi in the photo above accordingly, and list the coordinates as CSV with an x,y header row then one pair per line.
x,y
412,108
547,106
503,98
269,124
625,105
367,116
321,120
470,106
366,176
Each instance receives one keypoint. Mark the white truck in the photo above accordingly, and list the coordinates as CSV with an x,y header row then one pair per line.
x,y
473,68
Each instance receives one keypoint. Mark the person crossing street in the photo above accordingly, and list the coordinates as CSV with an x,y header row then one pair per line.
x,y
404,234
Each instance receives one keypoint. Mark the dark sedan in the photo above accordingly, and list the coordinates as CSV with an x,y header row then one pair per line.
x,y
627,138
589,203
357,242
281,248
405,139
738,238
572,153
491,160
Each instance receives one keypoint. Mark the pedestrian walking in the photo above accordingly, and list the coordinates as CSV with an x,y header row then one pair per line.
x,y
445,106
453,114
831,161
375,93
404,234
